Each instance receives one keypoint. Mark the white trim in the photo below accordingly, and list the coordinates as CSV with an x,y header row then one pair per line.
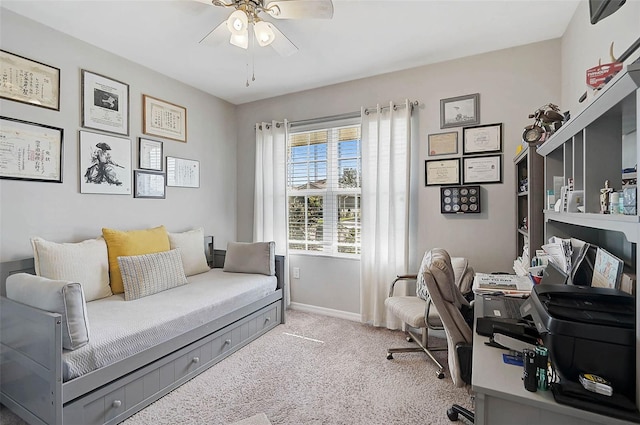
x,y
354,317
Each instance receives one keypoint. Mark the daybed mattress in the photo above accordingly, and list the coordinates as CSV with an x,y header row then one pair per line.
x,y
120,328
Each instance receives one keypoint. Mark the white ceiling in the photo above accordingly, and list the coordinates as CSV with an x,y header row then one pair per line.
x,y
364,38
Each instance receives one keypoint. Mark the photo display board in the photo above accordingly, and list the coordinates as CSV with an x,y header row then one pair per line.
x,y
460,199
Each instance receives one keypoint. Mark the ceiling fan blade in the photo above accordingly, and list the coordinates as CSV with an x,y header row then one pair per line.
x,y
281,43
217,35
300,9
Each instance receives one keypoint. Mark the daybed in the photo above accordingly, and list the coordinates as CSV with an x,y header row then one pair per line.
x,y
116,374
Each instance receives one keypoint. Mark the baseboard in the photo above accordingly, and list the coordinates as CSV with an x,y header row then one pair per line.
x,y
354,317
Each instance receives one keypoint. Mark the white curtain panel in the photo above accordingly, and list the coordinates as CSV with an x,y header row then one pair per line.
x,y
386,159
270,198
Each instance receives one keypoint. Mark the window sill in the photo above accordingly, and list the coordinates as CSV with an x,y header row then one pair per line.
x,y
352,257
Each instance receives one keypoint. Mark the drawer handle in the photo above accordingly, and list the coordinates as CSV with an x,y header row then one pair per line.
x,y
268,319
227,342
196,360
116,403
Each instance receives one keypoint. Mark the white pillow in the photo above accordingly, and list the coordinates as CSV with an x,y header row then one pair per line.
x,y
147,274
256,257
85,262
191,244
56,296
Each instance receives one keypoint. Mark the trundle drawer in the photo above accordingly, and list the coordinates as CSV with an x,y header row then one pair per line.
x,y
120,399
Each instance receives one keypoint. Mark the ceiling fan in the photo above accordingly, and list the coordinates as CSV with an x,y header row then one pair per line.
x,y
246,19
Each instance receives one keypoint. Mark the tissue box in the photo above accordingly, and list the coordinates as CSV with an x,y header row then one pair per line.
x,y
629,204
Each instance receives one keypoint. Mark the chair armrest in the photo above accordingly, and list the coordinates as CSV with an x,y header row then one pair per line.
x,y
399,278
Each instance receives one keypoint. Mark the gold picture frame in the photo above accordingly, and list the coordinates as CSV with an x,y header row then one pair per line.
x,y
164,119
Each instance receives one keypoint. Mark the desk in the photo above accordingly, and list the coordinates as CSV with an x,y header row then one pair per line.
x,y
502,399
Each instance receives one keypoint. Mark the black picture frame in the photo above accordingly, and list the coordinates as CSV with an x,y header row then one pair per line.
x,y
149,184
105,103
460,200
482,169
30,151
442,171
150,154
480,139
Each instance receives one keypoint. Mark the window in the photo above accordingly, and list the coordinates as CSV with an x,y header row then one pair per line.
x,y
323,183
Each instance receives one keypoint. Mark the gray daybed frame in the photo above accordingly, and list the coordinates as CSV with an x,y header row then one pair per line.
x,y
31,359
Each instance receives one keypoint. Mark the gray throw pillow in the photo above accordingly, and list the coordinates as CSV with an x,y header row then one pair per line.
x,y
148,274
256,257
55,296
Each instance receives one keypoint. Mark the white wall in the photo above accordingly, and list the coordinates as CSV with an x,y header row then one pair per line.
x,y
510,88
59,212
583,45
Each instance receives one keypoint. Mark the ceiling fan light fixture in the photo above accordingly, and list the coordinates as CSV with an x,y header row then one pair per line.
x,y
240,40
264,33
238,22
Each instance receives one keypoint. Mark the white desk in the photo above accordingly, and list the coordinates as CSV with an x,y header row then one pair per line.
x,y
502,399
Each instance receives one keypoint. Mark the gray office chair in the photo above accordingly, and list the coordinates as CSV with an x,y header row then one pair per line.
x,y
418,311
449,301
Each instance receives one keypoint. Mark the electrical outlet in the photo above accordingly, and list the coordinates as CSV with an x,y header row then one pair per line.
x,y
296,272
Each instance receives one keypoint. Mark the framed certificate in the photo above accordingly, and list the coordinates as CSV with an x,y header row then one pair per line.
x,y
442,171
27,81
443,143
183,172
482,139
105,103
164,119
150,154
148,184
30,151
482,169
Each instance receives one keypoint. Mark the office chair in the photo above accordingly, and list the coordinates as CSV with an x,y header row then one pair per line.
x,y
448,300
418,311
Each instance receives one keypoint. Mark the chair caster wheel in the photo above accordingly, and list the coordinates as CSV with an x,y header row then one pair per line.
x,y
440,375
409,339
389,356
452,415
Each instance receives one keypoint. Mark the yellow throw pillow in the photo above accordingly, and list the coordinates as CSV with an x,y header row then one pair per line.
x,y
133,242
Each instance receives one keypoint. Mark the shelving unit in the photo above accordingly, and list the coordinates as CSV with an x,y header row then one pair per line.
x,y
530,202
593,146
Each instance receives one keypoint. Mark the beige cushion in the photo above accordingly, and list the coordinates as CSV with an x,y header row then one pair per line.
x,y
56,296
85,262
411,311
147,274
191,244
257,257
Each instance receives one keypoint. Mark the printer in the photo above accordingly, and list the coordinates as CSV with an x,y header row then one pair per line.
x,y
587,330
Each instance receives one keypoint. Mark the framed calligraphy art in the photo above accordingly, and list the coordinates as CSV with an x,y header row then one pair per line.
x,y
164,119
30,151
27,81
183,172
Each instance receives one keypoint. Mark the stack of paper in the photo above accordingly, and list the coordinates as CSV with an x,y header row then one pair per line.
x,y
560,253
508,284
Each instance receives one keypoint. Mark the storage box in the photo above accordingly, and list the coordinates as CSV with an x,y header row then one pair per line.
x,y
629,203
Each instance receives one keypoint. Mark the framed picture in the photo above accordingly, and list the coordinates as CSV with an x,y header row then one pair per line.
x,y
30,151
148,184
482,139
105,103
443,143
164,119
183,172
105,164
460,111
149,154
460,200
482,169
27,81
442,171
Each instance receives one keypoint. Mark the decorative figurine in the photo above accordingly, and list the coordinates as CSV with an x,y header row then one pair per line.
x,y
604,198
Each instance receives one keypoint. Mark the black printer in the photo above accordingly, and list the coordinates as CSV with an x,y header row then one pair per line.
x,y
587,330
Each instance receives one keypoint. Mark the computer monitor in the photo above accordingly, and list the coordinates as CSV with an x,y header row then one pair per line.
x,y
607,270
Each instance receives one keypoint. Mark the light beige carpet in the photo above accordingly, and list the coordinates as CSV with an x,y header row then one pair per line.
x,y
313,370
259,419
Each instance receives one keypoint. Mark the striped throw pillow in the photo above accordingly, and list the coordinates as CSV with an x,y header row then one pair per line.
x,y
148,274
